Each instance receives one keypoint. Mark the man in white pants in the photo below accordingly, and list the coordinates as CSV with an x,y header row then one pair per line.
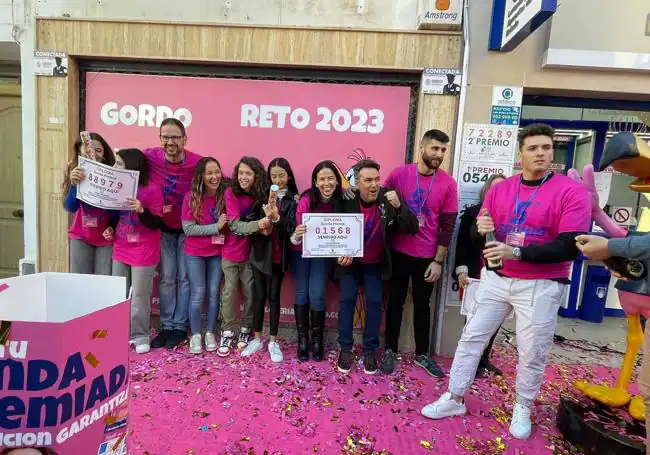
x,y
535,217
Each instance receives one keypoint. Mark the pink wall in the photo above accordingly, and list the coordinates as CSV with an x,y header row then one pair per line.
x,y
229,118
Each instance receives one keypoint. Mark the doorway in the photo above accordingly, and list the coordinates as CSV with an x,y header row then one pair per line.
x,y
11,180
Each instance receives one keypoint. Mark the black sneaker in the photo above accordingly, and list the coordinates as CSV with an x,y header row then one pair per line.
x,y
430,365
160,339
345,361
486,367
388,362
176,338
369,363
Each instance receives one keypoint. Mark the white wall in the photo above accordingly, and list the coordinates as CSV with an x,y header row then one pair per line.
x,y
387,14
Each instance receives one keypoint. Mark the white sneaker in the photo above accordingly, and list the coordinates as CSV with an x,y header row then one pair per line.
x,y
224,343
521,425
244,336
252,347
142,348
210,342
446,406
195,344
276,352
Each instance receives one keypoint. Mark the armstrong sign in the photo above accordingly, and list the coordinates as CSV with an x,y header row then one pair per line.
x,y
514,20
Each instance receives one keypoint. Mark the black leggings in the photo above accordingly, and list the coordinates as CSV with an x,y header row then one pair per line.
x,y
267,287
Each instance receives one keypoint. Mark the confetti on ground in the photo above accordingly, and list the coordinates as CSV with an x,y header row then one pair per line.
x,y
3,287
183,403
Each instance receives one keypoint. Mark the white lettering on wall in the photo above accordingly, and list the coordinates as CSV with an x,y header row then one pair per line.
x,y
340,120
143,115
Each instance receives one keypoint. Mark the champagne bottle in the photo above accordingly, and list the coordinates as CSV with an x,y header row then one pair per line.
x,y
494,264
630,269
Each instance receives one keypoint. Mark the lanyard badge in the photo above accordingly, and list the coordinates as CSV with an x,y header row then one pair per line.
x,y
517,238
421,202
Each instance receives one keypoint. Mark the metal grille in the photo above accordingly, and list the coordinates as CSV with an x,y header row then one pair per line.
x,y
411,80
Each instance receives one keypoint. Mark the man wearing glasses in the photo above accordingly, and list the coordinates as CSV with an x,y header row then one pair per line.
x,y
171,167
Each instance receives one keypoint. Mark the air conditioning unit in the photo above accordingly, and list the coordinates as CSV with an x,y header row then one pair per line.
x,y
440,14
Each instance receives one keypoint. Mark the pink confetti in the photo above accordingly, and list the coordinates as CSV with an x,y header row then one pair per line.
x,y
253,405
4,287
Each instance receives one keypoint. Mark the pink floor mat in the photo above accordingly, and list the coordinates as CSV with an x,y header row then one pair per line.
x,y
186,404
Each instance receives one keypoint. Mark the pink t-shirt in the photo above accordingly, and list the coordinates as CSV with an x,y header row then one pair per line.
x,y
237,247
303,207
202,245
174,179
135,244
433,196
560,205
373,250
89,224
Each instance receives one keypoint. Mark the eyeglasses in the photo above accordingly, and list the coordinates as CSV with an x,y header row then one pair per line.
x,y
171,138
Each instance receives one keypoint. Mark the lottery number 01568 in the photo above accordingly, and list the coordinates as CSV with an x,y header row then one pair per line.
x,y
332,230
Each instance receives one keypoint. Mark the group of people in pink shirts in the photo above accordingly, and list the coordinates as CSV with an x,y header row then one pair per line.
x,y
213,236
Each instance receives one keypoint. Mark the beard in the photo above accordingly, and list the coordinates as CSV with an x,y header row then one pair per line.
x,y
431,163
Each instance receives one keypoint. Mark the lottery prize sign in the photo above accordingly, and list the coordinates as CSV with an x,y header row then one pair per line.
x,y
474,175
484,143
106,187
332,235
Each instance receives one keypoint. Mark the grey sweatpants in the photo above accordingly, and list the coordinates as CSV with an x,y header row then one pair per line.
x,y
141,280
233,273
90,260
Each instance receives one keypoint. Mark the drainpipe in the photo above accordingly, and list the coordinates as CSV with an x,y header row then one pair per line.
x,y
446,282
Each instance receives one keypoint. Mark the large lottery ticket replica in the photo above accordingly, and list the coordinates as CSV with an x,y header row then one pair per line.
x,y
64,351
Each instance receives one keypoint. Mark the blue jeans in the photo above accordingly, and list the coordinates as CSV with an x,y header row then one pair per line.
x,y
205,276
373,286
174,285
311,277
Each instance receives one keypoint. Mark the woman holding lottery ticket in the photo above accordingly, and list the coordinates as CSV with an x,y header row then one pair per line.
x,y
270,253
137,245
90,252
204,223
311,274
244,198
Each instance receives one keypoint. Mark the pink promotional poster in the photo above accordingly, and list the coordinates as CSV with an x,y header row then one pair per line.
x,y
64,374
229,118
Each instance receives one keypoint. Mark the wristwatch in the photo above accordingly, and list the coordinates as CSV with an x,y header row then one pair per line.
x,y
440,263
516,253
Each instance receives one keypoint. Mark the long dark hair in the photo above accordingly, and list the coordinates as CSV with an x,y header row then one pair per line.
x,y
198,187
261,186
134,160
314,192
284,164
108,159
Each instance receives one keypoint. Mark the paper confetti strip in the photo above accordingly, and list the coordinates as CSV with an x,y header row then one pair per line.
x,y
5,331
118,442
4,287
103,333
92,360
